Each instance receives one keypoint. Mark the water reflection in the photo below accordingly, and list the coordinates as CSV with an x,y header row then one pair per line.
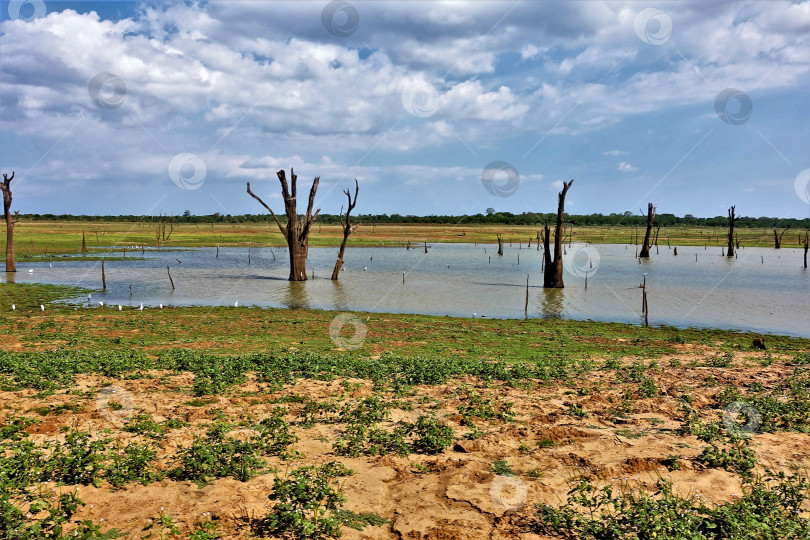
x,y
552,303
295,295
11,277
341,297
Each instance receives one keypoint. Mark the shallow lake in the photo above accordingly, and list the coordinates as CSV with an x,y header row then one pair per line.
x,y
763,289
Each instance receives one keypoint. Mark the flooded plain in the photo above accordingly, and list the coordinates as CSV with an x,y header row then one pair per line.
x,y
762,289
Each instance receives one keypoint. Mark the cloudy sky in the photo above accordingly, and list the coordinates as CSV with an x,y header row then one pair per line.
x,y
434,107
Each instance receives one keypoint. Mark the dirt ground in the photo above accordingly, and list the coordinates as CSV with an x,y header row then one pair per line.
x,y
452,495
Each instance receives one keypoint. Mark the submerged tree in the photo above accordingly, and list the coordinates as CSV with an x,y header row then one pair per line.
x,y
731,216
777,237
348,228
500,244
645,249
296,232
553,268
11,265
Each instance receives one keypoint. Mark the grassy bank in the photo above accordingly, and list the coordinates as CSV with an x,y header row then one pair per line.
x,y
47,240
225,330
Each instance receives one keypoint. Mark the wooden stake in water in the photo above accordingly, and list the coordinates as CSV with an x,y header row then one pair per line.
x,y
217,252
103,277
248,254
644,307
170,277
403,277
518,258
646,310
586,280
526,306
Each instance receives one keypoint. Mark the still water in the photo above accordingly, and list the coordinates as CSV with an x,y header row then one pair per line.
x,y
763,289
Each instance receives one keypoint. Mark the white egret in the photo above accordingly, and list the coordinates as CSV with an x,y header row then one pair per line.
x,y
141,308
13,307
41,307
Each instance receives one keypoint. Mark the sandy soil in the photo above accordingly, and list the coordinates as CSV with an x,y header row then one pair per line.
x,y
458,495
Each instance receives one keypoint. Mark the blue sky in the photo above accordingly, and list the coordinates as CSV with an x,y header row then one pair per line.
x,y
147,108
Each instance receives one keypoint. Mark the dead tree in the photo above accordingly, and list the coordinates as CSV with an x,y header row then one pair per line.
x,y
348,228
553,269
84,243
731,216
777,237
806,246
11,265
500,244
160,232
296,232
645,249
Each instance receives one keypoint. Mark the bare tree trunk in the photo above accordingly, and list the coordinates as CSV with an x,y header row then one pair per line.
x,y
296,232
500,244
777,237
645,249
347,228
806,245
731,216
553,269
11,264
84,243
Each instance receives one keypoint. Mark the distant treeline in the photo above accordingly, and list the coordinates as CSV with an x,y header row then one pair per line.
x,y
494,218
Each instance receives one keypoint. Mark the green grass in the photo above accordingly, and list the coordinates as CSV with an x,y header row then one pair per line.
x,y
41,238
27,297
550,344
